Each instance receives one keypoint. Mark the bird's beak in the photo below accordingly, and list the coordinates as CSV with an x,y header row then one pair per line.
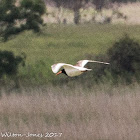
x,y
59,72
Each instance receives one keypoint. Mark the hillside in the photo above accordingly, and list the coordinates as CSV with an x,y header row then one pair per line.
x,y
68,44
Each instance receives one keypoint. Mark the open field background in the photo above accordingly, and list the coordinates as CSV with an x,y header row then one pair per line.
x,y
67,44
100,113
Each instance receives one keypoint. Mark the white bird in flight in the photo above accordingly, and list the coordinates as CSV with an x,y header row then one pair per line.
x,y
73,70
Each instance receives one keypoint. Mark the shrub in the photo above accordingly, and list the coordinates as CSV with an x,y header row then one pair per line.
x,y
124,58
9,63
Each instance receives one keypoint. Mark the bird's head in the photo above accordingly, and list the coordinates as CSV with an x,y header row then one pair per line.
x,y
62,71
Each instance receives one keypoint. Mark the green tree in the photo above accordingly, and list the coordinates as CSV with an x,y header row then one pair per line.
x,y
15,18
124,58
9,63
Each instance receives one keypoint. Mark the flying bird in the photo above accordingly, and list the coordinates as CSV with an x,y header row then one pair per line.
x,y
73,70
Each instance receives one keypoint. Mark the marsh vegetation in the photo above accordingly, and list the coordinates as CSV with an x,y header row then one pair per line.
x,y
101,112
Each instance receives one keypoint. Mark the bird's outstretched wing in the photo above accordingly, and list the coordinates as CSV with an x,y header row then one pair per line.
x,y
82,63
68,67
56,67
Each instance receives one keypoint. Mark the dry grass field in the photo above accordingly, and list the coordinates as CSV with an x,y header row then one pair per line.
x,y
101,113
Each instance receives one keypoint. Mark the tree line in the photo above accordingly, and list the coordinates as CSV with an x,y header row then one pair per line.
x,y
19,15
76,5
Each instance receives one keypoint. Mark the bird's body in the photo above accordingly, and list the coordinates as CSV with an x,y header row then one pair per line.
x,y
71,70
74,70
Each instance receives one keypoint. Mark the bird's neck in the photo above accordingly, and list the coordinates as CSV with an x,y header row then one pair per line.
x,y
63,71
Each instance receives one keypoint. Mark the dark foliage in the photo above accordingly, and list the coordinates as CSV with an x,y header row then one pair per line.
x,y
124,1
99,4
125,56
15,18
124,59
31,10
9,63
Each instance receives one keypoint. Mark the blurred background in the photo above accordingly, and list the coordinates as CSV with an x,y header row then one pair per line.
x,y
93,11
40,33
101,104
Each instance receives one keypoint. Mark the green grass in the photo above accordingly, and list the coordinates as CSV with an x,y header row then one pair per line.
x,y
68,44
